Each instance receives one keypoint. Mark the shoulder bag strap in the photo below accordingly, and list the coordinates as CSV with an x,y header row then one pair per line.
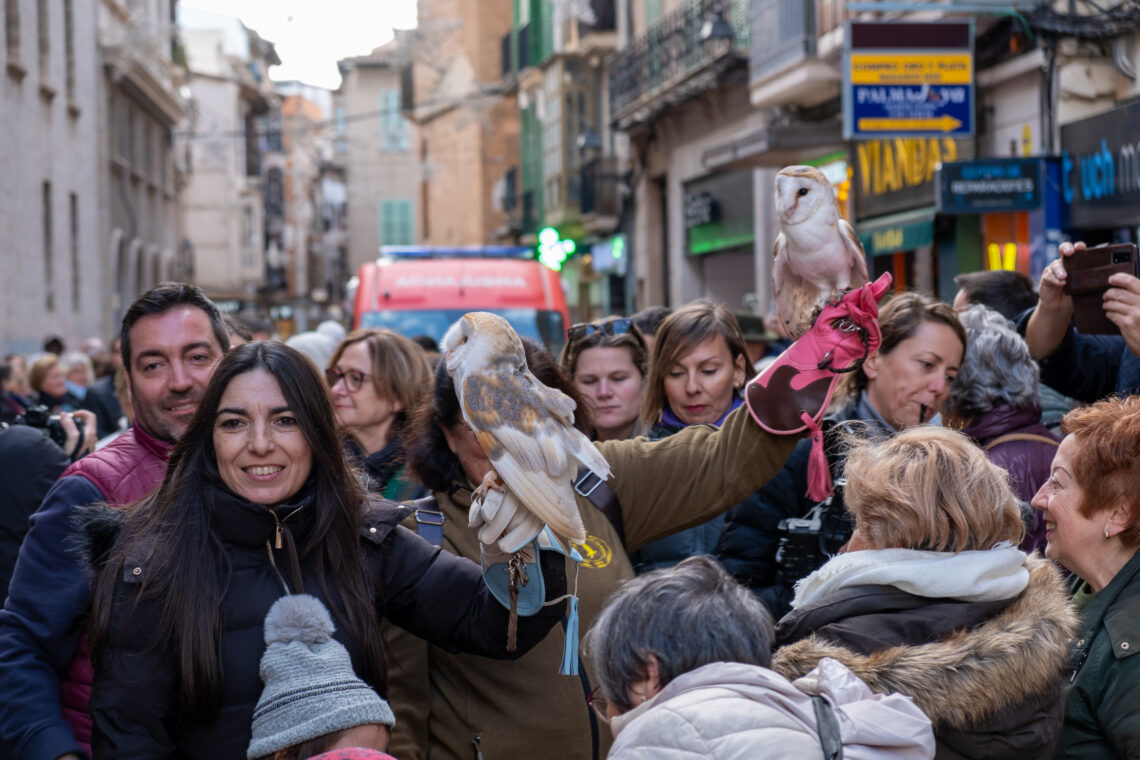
x,y
1020,437
598,492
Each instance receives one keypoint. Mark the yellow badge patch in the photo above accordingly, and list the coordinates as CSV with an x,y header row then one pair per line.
x,y
595,552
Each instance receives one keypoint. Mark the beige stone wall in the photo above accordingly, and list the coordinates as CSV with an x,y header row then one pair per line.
x,y
374,174
470,139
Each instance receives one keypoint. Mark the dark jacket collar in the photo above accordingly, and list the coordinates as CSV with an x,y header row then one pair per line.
x,y
244,523
869,618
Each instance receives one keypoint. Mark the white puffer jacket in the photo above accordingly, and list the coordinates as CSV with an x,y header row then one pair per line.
x,y
732,711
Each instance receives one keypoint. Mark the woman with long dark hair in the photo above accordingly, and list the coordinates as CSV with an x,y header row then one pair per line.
x,y
258,502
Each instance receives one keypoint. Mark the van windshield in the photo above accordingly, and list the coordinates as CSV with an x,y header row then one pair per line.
x,y
543,326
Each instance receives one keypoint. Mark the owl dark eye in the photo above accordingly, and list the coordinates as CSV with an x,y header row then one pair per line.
x,y
802,192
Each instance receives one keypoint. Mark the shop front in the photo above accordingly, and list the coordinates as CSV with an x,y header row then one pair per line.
x,y
720,233
1016,206
1100,176
896,216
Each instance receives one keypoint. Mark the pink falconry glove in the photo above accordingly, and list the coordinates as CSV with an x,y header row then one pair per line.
x,y
793,393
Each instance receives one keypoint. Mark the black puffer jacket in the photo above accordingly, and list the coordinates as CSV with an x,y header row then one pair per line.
x,y
432,594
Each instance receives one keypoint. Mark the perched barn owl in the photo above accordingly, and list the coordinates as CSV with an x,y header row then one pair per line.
x,y
818,255
527,431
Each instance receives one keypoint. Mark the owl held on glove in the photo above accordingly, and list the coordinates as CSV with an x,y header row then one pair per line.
x,y
525,428
818,255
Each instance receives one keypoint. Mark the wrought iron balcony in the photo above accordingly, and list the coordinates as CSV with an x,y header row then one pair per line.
x,y
674,60
601,183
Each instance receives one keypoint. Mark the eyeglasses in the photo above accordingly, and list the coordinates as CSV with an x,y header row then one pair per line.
x,y
352,378
600,704
584,330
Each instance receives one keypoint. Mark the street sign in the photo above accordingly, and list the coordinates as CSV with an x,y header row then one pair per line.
x,y
989,184
908,80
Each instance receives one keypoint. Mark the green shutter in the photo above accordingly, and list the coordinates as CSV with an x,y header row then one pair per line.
x,y
397,222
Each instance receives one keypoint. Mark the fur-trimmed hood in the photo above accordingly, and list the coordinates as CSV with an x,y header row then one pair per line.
x,y
967,678
94,529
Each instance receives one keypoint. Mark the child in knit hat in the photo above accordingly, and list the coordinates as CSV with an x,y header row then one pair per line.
x,y
312,702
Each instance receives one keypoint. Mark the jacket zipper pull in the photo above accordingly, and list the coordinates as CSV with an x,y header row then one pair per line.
x,y
277,539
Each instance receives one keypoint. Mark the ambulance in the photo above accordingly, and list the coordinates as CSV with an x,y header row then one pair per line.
x,y
423,290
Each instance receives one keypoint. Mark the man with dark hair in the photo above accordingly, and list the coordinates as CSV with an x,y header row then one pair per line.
x,y
1008,293
648,320
172,338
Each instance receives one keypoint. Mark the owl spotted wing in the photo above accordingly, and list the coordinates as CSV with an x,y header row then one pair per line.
x,y
525,428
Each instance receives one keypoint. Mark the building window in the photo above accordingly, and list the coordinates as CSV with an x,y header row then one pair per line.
x,y
340,126
397,222
73,212
42,20
69,50
49,259
248,238
393,125
12,29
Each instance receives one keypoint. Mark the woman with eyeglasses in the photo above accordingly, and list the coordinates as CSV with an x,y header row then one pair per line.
x,y
376,377
608,361
699,365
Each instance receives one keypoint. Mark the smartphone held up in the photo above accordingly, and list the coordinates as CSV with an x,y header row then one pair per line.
x,y
1087,274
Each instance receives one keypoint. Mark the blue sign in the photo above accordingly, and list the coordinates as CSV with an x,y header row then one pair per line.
x,y
994,184
912,109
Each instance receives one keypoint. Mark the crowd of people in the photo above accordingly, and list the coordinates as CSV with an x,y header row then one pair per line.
x,y
215,544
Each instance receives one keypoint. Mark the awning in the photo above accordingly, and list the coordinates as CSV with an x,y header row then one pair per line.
x,y
904,231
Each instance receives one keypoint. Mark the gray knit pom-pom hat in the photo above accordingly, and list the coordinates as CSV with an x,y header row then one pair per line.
x,y
310,687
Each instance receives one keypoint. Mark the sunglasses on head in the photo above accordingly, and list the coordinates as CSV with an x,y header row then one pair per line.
x,y
584,330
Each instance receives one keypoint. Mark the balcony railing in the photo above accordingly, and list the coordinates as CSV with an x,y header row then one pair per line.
x,y
671,54
601,193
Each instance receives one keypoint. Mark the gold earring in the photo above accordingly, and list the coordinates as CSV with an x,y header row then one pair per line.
x,y
1106,533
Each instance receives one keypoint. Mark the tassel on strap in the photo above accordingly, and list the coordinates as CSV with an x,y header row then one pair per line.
x,y
569,665
819,485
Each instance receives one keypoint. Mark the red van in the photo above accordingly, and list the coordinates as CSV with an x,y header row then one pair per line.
x,y
422,290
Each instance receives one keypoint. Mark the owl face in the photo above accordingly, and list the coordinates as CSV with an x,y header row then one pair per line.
x,y
479,340
801,191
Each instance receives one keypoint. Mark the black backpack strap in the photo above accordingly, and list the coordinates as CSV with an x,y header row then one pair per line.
x,y
598,493
828,726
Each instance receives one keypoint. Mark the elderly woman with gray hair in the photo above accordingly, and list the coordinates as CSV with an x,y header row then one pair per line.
x,y
996,401
682,658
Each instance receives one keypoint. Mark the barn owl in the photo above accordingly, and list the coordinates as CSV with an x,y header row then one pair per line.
x,y
527,431
818,255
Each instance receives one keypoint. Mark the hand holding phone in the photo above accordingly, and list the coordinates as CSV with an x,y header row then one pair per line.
x,y
1087,274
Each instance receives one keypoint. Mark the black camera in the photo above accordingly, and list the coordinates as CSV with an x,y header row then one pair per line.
x,y
807,542
40,417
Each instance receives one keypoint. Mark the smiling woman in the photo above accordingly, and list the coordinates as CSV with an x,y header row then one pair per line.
x,y
262,453
258,501
1091,509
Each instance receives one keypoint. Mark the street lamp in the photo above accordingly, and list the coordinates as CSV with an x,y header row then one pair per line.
x,y
716,28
